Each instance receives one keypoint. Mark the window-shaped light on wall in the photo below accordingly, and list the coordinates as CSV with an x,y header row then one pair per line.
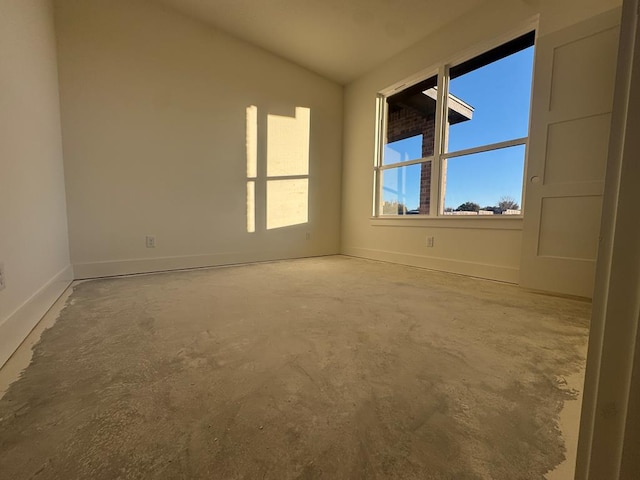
x,y
288,169
252,166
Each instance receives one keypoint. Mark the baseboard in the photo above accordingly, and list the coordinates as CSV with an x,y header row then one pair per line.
x,y
17,326
471,269
160,264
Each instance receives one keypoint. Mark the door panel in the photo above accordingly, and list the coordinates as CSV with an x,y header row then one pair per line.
x,y
570,121
585,138
567,227
583,70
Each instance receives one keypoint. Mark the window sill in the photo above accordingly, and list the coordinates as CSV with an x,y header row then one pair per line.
x,y
488,222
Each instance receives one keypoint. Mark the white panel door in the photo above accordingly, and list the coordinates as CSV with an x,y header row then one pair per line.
x,y
570,120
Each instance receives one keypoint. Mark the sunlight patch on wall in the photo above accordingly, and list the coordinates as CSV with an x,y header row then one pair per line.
x,y
288,169
252,141
252,166
288,144
251,207
287,203
285,187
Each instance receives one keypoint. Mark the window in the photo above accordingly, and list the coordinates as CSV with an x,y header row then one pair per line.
x,y
455,143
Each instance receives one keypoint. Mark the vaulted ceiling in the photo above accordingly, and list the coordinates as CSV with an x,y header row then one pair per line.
x,y
340,39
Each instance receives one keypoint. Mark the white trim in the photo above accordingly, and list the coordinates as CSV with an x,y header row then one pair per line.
x,y
614,322
410,81
481,222
16,327
533,24
479,48
114,268
470,269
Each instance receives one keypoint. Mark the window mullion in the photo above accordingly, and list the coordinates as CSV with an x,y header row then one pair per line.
x,y
486,148
406,163
439,143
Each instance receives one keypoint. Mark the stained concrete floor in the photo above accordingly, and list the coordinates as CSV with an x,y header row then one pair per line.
x,y
334,368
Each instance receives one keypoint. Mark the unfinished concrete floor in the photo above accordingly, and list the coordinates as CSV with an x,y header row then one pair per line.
x,y
334,368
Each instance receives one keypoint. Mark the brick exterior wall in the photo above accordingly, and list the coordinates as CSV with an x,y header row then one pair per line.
x,y
404,123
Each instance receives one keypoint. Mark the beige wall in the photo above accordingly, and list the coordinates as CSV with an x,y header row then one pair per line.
x,y
487,247
33,222
154,130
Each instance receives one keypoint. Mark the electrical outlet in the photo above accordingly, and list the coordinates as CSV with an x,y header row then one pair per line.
x,y
151,241
2,278
430,241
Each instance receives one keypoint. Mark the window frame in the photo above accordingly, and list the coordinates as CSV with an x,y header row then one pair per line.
x,y
436,206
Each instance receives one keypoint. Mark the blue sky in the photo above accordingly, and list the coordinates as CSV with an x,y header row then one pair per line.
x,y
500,95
